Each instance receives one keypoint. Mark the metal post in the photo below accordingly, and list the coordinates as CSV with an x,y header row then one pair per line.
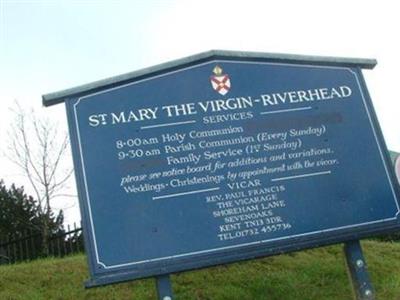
x,y
357,269
164,287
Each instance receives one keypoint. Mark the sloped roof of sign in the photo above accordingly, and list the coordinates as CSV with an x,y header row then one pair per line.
x,y
60,96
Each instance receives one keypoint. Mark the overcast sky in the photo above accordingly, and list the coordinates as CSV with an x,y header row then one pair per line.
x,y
47,46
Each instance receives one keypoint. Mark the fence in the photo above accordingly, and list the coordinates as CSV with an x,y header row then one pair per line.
x,y
17,248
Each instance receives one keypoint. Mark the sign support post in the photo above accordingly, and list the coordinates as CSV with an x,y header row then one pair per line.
x,y
164,287
357,269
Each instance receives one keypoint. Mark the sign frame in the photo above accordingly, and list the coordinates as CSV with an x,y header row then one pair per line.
x,y
238,253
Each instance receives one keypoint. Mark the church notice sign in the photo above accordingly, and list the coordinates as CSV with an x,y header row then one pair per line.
x,y
226,156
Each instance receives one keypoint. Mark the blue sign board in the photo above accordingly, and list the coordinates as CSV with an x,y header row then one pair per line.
x,y
226,158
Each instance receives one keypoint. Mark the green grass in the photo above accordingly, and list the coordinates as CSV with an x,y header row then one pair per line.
x,y
307,275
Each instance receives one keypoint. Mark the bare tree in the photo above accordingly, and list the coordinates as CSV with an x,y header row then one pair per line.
x,y
38,148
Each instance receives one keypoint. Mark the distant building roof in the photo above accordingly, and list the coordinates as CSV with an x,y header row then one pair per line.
x,y
393,155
